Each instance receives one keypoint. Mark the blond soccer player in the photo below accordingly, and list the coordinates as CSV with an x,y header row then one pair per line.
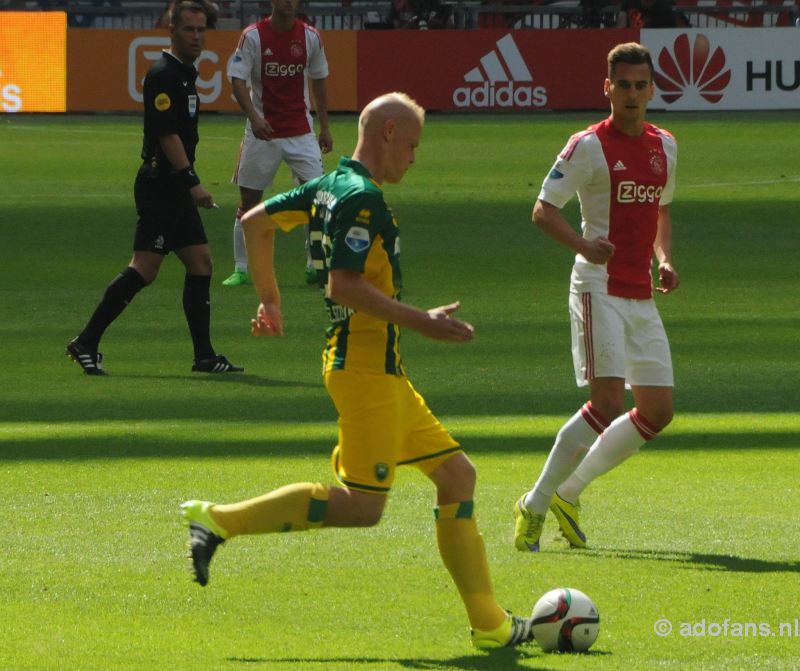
x,y
383,422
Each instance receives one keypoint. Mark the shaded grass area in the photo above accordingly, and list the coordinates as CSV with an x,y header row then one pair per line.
x,y
155,439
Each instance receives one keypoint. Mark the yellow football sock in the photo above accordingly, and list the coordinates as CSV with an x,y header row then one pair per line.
x,y
464,555
292,508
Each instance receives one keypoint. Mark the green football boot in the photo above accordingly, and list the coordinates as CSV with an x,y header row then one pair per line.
x,y
205,535
568,515
238,279
527,527
514,631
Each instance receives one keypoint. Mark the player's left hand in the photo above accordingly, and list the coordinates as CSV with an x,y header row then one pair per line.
x,y
268,321
668,278
442,325
325,141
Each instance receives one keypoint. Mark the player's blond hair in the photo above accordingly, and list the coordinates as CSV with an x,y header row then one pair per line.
x,y
631,53
394,100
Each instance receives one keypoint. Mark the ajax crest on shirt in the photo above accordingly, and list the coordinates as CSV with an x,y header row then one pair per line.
x,y
357,238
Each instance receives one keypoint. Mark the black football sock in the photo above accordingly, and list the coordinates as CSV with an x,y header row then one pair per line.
x,y
116,298
197,308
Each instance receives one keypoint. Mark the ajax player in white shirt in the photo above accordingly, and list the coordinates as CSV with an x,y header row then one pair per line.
x,y
280,58
623,170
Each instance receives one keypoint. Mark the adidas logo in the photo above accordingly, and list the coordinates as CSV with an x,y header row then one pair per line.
x,y
619,165
505,66
268,52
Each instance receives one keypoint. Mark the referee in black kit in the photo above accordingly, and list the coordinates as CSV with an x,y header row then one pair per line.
x,y
168,193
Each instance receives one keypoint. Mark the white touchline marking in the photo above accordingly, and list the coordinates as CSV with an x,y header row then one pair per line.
x,y
763,182
99,130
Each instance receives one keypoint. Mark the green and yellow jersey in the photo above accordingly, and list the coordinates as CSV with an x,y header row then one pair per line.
x,y
351,228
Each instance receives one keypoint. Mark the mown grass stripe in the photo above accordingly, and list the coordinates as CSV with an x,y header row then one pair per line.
x,y
501,426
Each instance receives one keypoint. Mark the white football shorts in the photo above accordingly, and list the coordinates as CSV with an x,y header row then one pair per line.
x,y
619,337
259,160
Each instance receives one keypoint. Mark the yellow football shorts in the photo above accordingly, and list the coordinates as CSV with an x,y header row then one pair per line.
x,y
383,423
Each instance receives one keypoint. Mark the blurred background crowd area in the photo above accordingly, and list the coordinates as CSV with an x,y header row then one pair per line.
x,y
442,14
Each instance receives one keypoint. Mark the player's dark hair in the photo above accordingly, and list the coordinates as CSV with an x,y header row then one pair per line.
x,y
178,8
631,53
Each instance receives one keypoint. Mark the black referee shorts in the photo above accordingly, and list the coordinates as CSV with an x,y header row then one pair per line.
x,y
168,217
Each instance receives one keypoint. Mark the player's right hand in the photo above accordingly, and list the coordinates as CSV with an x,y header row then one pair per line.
x,y
261,128
599,250
325,141
441,325
268,321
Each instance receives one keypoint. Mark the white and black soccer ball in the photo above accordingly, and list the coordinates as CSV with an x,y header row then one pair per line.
x,y
565,620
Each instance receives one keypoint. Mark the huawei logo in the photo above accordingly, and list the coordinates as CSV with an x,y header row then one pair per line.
x,y
692,70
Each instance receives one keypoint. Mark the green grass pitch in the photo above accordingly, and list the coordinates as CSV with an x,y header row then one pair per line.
x,y
699,529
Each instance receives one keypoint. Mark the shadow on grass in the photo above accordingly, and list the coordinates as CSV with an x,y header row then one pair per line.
x,y
244,379
498,660
130,445
699,560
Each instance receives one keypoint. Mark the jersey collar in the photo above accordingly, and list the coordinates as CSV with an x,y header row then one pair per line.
x,y
355,166
190,69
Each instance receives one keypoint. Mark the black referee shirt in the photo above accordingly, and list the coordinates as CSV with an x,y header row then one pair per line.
x,y
171,105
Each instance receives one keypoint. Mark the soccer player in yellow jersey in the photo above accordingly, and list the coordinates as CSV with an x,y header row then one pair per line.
x,y
383,422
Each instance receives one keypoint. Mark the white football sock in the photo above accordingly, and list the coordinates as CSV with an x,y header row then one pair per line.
x,y
239,249
622,439
571,444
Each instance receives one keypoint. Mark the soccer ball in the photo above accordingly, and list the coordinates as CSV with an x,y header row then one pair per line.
x,y
565,620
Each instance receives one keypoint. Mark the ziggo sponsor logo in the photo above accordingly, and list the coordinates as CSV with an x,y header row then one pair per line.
x,y
272,69
631,192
